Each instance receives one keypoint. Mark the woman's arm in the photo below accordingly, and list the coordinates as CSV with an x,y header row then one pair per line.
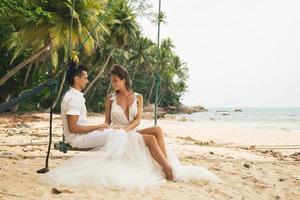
x,y
107,111
137,120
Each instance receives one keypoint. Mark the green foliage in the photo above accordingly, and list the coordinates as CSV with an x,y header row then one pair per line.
x,y
27,26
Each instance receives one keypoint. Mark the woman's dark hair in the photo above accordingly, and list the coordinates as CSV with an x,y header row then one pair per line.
x,y
73,70
122,73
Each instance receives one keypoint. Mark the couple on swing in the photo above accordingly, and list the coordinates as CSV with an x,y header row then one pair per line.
x,y
122,156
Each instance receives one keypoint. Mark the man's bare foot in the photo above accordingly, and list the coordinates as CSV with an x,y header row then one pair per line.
x,y
168,172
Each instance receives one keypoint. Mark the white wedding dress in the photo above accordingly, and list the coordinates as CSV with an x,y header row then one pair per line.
x,y
123,162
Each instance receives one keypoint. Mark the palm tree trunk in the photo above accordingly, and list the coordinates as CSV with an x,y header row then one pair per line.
x,y
24,63
7,97
150,93
27,74
109,87
60,89
99,74
92,95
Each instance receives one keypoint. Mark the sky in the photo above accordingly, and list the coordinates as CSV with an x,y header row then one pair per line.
x,y
240,53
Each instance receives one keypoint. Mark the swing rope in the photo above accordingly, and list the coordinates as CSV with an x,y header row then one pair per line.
x,y
157,75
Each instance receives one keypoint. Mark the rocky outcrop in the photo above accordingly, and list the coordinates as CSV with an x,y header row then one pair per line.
x,y
191,109
148,112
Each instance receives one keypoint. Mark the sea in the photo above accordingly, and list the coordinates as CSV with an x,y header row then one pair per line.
x,y
262,118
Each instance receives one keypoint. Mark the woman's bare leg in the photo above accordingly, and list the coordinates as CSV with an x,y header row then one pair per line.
x,y
158,134
157,154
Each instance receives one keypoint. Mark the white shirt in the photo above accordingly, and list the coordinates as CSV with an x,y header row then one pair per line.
x,y
73,103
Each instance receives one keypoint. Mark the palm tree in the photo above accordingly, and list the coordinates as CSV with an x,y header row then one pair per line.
x,y
141,56
179,67
122,27
165,59
45,27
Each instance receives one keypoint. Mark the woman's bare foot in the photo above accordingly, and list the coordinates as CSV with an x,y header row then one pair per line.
x,y
168,172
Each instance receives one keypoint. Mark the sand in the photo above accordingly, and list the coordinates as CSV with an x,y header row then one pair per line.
x,y
235,154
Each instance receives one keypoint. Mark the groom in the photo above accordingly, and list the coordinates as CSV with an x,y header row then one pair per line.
x,y
78,133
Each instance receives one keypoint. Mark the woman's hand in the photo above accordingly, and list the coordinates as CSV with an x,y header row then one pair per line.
x,y
102,127
117,127
120,128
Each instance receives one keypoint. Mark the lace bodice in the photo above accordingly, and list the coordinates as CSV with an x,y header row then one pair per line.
x,y
118,117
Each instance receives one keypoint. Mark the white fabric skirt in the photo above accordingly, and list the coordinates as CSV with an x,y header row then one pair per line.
x,y
123,162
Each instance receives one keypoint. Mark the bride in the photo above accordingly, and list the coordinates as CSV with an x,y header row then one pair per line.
x,y
130,158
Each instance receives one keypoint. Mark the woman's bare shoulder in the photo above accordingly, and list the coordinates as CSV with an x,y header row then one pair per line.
x,y
111,96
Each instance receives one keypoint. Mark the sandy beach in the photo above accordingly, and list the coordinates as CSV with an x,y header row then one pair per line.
x,y
237,155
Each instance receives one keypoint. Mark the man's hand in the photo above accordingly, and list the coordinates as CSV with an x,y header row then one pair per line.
x,y
102,127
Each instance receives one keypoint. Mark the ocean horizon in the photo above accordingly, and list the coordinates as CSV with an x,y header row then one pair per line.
x,y
283,118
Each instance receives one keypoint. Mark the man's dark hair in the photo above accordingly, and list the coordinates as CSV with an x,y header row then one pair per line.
x,y
74,69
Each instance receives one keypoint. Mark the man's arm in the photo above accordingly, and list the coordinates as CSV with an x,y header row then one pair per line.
x,y
79,129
